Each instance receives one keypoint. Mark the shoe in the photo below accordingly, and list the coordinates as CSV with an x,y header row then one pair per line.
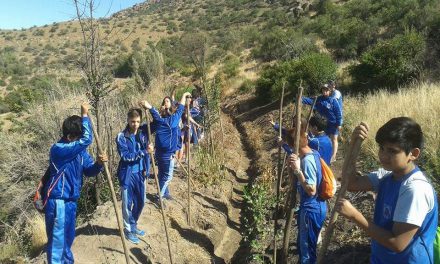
x,y
140,233
130,236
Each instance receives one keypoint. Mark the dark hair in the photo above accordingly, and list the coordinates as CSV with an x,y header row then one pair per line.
x,y
134,112
291,132
195,93
318,121
167,112
72,126
402,131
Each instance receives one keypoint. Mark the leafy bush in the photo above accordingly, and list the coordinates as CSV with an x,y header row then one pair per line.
x,y
312,69
349,29
279,44
391,63
230,66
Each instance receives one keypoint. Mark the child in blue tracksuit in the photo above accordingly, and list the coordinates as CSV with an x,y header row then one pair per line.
x,y
328,107
166,126
134,167
335,93
69,160
312,209
318,140
405,218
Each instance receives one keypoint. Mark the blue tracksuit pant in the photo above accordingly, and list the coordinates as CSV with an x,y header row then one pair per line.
x,y
165,164
133,200
60,217
309,226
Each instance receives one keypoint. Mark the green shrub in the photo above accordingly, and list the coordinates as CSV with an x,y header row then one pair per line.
x,y
391,63
280,44
312,69
231,65
246,86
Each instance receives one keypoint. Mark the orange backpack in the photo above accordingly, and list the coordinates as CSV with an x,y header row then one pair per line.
x,y
328,183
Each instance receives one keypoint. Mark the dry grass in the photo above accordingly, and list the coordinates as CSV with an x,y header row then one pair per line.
x,y
37,231
419,102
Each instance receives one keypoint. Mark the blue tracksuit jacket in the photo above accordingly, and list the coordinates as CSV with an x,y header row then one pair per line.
x,y
69,161
132,153
327,107
167,130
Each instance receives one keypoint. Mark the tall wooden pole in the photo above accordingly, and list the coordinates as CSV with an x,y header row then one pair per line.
x,y
158,189
188,152
293,180
350,158
279,176
310,114
112,190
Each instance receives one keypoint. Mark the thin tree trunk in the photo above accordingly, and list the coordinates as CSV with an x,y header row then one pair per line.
x,y
293,180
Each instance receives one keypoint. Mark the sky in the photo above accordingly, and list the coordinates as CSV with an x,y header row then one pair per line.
x,y
18,14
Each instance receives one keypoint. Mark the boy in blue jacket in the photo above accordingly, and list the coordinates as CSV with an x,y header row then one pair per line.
x,y
319,140
69,160
406,213
134,166
328,107
312,209
166,126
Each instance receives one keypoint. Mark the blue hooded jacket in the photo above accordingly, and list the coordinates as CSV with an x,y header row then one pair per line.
x,y
132,153
327,107
68,162
167,130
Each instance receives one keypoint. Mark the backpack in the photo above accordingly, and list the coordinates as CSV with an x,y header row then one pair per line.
x,y
327,187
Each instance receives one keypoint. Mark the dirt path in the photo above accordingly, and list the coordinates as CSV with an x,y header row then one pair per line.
x,y
215,234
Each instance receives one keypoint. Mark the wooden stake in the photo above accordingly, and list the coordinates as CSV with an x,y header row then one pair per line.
x,y
112,190
350,157
279,177
310,114
185,170
158,189
188,152
293,180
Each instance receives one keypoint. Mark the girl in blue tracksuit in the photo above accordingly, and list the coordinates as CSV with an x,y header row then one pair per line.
x,y
166,126
328,107
69,160
134,167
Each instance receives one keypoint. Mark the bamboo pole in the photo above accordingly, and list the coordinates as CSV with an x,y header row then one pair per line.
x,y
158,189
188,152
350,157
279,169
112,190
293,180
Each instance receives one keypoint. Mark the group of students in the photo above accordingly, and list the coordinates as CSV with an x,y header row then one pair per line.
x,y
69,161
405,220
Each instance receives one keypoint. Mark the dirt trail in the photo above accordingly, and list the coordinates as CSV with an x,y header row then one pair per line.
x,y
215,234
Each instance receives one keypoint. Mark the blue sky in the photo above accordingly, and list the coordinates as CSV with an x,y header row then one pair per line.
x,y
17,14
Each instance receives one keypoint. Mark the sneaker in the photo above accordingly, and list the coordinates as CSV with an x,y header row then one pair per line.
x,y
140,233
130,236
